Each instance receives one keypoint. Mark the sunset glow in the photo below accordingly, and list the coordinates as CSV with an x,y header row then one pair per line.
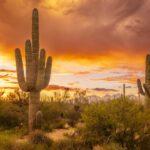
x,y
90,48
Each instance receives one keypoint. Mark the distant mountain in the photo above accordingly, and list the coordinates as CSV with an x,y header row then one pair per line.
x,y
58,87
105,90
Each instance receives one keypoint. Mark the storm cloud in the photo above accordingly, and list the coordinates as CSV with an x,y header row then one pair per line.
x,y
79,28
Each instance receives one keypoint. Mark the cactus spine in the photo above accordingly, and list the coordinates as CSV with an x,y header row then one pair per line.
x,y
38,70
145,89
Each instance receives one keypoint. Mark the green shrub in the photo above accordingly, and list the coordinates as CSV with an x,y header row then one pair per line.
x,y
145,143
98,123
18,97
59,124
7,139
11,115
9,119
57,114
73,117
110,146
122,121
113,146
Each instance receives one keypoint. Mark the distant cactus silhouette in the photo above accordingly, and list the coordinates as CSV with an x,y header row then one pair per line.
x,y
38,70
124,91
145,89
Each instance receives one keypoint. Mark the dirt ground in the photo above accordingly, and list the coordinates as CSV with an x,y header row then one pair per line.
x,y
56,135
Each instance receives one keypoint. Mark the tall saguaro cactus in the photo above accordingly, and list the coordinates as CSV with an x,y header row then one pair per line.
x,y
38,70
145,89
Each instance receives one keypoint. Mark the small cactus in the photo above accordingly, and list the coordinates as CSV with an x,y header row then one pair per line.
x,y
39,119
145,89
38,70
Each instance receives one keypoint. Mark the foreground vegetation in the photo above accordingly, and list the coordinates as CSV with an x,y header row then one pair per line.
x,y
110,125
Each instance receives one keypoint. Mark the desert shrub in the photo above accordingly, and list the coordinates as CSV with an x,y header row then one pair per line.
x,y
122,121
110,146
60,124
18,97
7,139
71,144
9,119
113,146
56,114
145,142
52,114
38,137
5,142
98,123
12,115
73,117
13,110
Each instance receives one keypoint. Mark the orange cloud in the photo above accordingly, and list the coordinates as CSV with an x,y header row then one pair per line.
x,y
129,78
57,87
82,73
84,37
73,28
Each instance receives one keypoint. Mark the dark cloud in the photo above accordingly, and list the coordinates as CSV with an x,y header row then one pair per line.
x,y
114,10
82,28
106,21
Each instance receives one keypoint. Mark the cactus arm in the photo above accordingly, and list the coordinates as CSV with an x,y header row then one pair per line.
x,y
20,71
28,56
147,70
140,89
35,46
41,70
48,71
35,31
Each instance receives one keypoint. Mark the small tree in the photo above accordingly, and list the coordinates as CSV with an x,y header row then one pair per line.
x,y
120,121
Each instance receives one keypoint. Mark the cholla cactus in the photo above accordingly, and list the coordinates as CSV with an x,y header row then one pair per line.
x,y
145,89
38,70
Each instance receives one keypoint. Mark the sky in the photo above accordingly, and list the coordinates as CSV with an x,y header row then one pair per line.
x,y
94,44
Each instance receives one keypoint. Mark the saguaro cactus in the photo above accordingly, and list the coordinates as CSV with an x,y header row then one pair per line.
x,y
38,70
145,89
